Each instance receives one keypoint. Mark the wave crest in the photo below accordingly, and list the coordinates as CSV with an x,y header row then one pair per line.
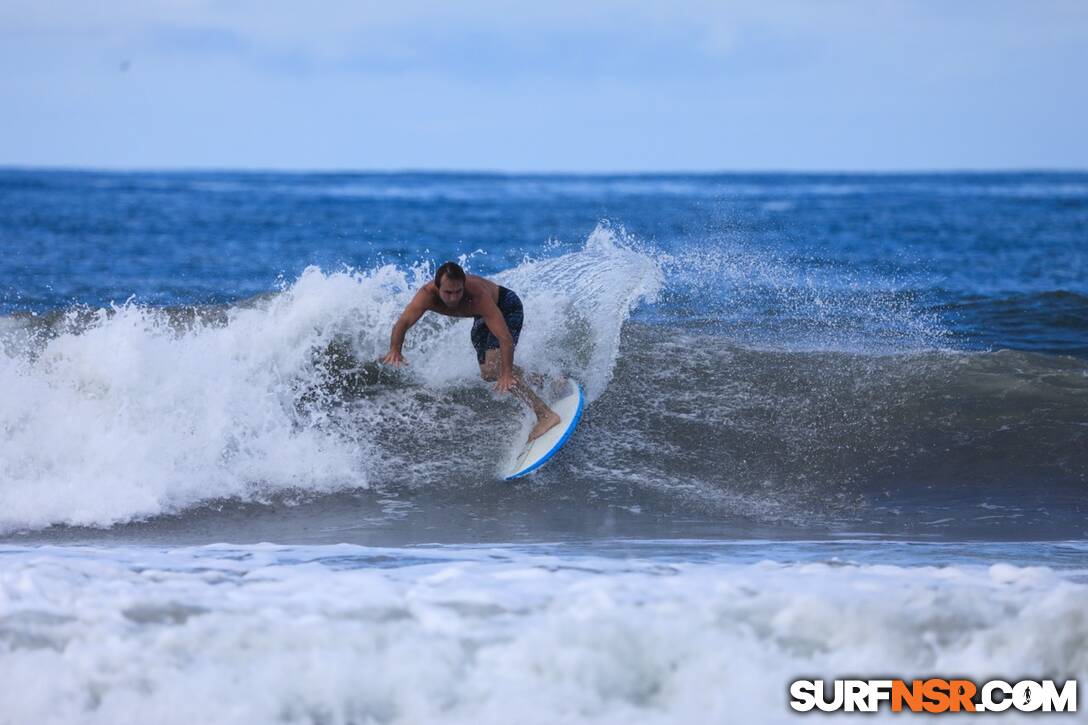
x,y
133,411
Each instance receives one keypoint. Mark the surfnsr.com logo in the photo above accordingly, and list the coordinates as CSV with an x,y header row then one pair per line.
x,y
933,695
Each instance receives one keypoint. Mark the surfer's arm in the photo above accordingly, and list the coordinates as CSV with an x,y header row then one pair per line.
x,y
415,309
497,324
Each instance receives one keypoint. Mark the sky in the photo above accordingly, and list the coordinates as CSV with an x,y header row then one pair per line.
x,y
584,86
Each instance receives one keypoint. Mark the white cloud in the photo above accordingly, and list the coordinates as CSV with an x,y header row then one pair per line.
x,y
841,83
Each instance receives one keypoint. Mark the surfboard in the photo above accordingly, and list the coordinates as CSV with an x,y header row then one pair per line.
x,y
536,453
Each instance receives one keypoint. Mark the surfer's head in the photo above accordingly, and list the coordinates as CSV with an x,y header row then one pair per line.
x,y
449,280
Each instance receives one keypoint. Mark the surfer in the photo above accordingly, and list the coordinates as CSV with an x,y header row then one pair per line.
x,y
498,317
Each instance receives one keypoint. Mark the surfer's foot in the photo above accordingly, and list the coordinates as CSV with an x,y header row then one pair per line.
x,y
544,424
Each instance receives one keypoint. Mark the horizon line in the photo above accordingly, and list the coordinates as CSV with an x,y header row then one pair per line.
x,y
451,171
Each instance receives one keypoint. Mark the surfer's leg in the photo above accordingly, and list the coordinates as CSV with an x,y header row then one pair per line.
x,y
546,418
488,372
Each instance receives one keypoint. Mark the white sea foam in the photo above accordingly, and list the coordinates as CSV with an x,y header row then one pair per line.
x,y
128,416
344,634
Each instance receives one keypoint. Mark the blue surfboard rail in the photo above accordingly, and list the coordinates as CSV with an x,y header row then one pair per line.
x,y
561,442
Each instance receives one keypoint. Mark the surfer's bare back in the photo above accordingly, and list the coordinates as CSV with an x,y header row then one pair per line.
x,y
495,332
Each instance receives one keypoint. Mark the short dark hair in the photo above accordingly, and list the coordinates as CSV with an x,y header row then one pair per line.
x,y
449,269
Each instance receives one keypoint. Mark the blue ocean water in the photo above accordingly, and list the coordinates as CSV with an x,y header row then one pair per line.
x,y
808,394
996,260
894,349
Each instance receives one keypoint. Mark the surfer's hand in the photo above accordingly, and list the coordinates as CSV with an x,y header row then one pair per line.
x,y
394,358
506,383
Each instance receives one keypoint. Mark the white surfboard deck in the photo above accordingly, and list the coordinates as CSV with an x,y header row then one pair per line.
x,y
536,453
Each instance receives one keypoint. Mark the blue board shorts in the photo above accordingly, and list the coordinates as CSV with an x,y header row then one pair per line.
x,y
482,337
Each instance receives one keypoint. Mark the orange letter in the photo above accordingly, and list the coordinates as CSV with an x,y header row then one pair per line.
x,y
962,691
900,694
936,691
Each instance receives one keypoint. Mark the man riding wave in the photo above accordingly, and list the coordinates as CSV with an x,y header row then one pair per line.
x,y
498,317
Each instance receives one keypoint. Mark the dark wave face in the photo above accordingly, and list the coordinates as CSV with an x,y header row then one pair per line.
x,y
1055,322
692,426
890,355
